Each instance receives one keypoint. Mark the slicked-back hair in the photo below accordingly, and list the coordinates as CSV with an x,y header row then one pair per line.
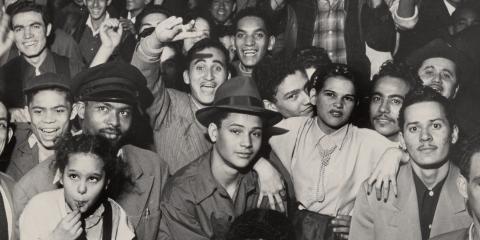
x,y
23,6
426,94
253,12
333,70
269,73
204,44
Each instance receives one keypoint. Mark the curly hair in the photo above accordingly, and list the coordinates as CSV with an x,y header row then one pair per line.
x,y
115,169
315,57
269,73
335,69
253,12
398,70
465,154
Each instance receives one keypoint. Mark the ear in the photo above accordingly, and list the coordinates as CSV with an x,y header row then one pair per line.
x,y
213,132
455,132
10,134
234,7
229,75
78,109
313,96
108,2
462,184
271,43
402,141
49,29
269,105
455,92
108,183
61,179
29,118
186,78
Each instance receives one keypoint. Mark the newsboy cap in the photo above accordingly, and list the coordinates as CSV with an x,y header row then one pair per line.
x,y
47,80
114,81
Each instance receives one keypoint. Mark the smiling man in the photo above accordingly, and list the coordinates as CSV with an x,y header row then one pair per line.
x,y
428,203
252,39
49,104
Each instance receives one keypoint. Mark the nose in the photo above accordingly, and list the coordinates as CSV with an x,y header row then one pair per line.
x,y
249,40
246,141
209,74
113,119
425,135
49,117
82,187
437,78
338,103
27,33
384,106
95,3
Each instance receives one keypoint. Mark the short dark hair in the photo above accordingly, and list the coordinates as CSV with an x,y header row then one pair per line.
x,y
253,12
466,152
30,94
426,94
261,224
204,44
269,73
315,57
22,6
335,69
147,11
221,115
398,70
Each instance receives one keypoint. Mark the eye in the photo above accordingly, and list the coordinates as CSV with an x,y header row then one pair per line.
x,y
446,75
375,99
235,131
329,94
412,129
93,179
3,125
37,111
17,29
240,35
397,101
36,26
60,110
437,126
125,113
292,97
349,98
102,108
218,68
260,35
73,176
257,134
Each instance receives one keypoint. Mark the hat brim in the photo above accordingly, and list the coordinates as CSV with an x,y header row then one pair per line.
x,y
205,115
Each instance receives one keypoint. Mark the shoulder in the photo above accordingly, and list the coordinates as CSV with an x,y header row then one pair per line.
x,y
180,184
454,235
372,137
39,177
149,161
42,202
4,178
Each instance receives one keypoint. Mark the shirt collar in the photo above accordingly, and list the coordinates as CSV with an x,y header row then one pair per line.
x,y
129,17
336,138
450,7
90,25
32,140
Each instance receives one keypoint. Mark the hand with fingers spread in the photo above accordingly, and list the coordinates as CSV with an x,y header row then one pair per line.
x,y
341,226
271,185
111,33
19,115
69,228
172,29
6,36
384,176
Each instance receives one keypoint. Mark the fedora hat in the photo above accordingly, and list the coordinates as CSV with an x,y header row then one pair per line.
x,y
239,94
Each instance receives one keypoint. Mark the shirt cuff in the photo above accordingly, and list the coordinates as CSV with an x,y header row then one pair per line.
x,y
401,22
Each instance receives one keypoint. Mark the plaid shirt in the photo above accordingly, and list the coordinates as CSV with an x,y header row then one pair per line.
x,y
329,28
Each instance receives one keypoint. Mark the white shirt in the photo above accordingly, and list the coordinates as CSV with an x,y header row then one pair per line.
x,y
90,25
450,7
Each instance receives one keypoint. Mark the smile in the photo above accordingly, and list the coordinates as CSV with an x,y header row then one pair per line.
x,y
336,113
250,52
245,155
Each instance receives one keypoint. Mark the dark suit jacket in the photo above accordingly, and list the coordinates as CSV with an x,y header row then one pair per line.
x,y
7,184
398,218
141,203
23,157
461,234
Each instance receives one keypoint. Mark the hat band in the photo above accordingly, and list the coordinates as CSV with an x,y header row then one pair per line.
x,y
240,100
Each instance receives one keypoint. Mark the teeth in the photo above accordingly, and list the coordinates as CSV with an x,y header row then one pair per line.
x,y
48,130
249,52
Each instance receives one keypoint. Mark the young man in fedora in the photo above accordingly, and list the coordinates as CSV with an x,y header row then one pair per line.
x,y
204,197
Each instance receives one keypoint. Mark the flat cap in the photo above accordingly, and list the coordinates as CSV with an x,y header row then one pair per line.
x,y
114,81
47,80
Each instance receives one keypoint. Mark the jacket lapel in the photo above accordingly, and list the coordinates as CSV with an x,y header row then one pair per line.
x,y
28,158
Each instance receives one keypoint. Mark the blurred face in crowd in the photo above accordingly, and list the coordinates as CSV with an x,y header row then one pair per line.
x,y
221,10
111,120
441,75
49,112
469,187
136,5
83,179
228,44
30,33
206,72
97,8
252,40
238,139
335,102
291,98
201,25
427,133
151,20
464,18
5,132
385,103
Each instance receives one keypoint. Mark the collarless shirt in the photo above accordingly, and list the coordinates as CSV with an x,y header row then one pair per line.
x,y
427,203
90,24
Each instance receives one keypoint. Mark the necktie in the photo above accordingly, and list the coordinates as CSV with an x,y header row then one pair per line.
x,y
3,220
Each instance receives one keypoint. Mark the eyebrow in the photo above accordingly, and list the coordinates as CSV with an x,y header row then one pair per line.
x,y
198,60
31,24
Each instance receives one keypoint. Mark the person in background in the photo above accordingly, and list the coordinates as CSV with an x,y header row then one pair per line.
x,y
312,58
7,205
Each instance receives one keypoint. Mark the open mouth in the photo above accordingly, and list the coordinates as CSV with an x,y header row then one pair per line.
x,y
336,113
80,204
29,44
250,52
209,87
436,87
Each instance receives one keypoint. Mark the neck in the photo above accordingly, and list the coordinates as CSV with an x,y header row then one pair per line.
x,y
98,22
223,173
325,129
476,229
36,61
197,103
245,69
44,153
431,177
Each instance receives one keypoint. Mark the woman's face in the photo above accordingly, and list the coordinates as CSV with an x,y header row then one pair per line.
x,y
84,180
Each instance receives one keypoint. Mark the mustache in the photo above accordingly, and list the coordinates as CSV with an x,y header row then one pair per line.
x,y
384,116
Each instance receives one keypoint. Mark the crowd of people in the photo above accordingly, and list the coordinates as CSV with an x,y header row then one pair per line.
x,y
239,119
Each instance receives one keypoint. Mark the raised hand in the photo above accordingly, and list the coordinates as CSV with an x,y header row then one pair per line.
x,y
69,228
172,30
127,25
111,32
6,36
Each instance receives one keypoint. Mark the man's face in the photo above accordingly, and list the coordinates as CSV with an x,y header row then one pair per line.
x,y
385,103
97,8
201,25
441,75
335,103
4,131
291,98
238,139
152,20
464,19
207,71
133,5
50,116
221,10
251,40
30,33
111,120
472,185
427,133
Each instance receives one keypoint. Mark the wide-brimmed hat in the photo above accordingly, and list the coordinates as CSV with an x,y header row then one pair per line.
x,y
239,94
440,48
